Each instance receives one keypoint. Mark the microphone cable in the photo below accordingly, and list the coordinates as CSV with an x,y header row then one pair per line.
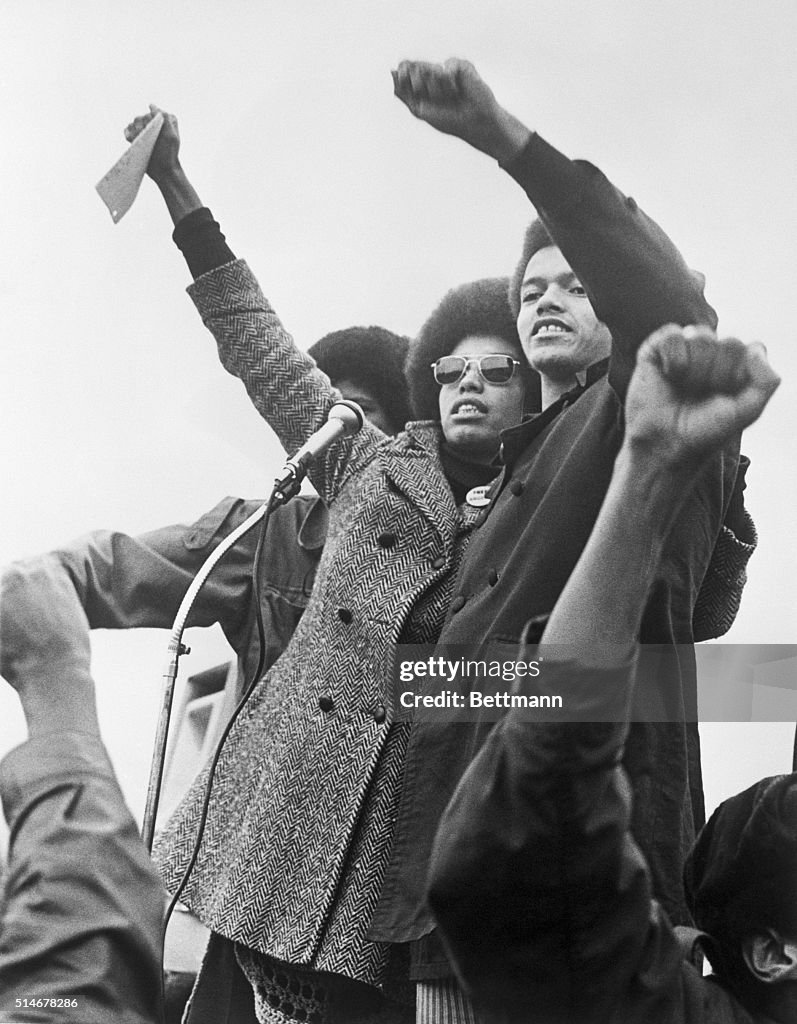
x,y
264,513
284,489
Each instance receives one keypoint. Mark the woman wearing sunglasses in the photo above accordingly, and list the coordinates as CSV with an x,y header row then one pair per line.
x,y
476,392
302,806
466,369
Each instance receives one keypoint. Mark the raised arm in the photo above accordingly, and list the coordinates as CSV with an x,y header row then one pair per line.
x,y
128,581
689,394
164,165
83,906
634,276
125,581
284,383
542,896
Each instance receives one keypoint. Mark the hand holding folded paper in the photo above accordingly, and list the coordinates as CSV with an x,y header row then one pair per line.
x,y
119,188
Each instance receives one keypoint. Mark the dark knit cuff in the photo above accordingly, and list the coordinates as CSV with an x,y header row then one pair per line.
x,y
198,237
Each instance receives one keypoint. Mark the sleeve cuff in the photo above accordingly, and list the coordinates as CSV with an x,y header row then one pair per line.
x,y
199,238
721,591
595,683
231,286
737,518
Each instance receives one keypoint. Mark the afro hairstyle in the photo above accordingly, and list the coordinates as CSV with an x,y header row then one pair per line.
x,y
373,359
477,309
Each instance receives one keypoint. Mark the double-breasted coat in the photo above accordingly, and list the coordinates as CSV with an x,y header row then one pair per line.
x,y
306,790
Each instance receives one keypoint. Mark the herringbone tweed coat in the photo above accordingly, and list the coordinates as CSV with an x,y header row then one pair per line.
x,y
305,792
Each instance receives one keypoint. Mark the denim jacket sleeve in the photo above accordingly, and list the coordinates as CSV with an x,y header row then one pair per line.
x,y
125,581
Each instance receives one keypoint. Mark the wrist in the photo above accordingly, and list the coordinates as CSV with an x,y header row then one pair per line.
x,y
178,193
662,453
166,176
659,477
509,139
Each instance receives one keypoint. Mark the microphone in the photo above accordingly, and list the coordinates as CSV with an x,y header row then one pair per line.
x,y
344,420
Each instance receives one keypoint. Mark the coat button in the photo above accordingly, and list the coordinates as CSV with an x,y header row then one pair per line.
x,y
492,577
386,540
326,703
438,562
345,615
458,603
379,714
516,487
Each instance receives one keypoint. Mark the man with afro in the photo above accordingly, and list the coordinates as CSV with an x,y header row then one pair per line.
x,y
537,881
601,278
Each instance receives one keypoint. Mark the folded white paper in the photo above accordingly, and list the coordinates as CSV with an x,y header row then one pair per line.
x,y
119,188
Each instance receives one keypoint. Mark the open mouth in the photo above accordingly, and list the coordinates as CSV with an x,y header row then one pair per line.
x,y
550,327
469,407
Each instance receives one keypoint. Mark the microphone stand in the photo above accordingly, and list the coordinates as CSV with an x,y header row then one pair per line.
x,y
177,648
346,419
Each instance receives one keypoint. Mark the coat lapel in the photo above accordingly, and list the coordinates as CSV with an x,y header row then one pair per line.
x,y
412,463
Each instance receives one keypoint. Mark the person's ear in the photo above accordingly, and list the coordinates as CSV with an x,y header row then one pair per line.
x,y
770,957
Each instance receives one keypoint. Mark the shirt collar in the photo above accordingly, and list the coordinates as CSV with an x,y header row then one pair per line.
x,y
514,439
596,371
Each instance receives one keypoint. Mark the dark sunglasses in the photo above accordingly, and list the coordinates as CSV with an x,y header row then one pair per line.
x,y
497,369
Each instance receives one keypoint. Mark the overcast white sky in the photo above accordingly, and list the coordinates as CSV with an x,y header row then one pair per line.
x,y
116,412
